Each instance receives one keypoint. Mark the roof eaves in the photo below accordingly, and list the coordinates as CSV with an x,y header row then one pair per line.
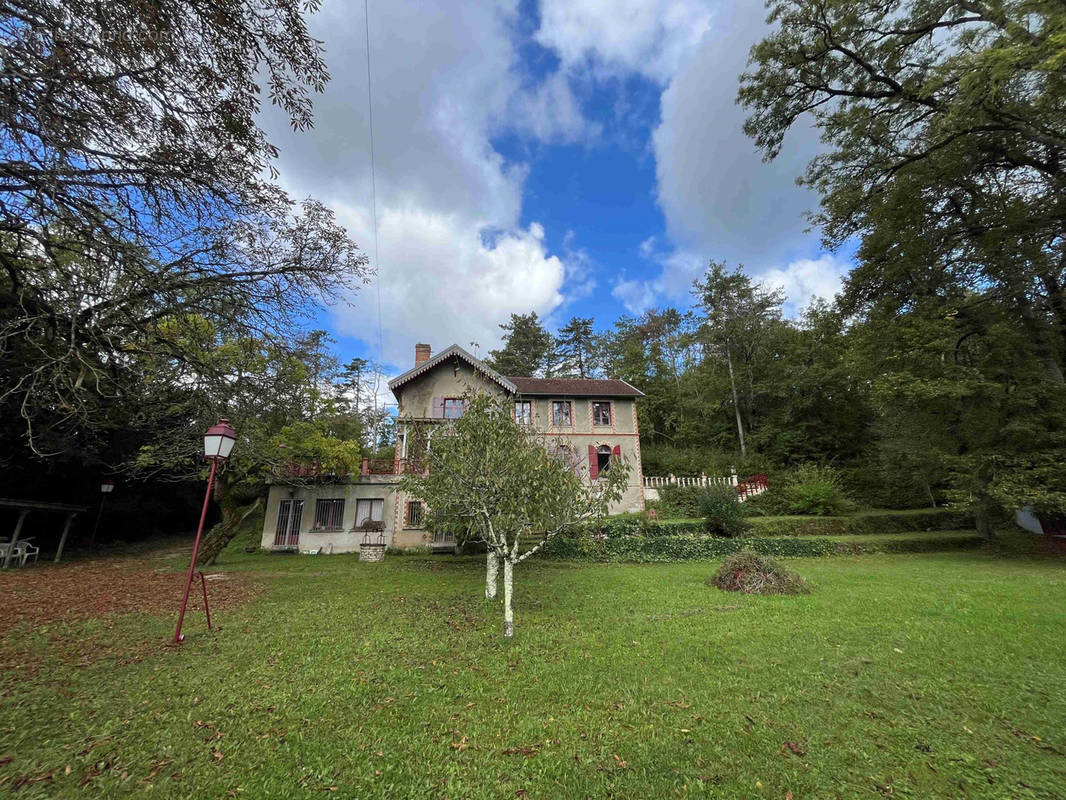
x,y
456,350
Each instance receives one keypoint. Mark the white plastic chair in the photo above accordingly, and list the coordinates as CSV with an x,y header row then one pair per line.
x,y
18,555
28,549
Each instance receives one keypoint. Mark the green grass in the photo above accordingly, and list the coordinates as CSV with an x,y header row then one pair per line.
x,y
934,675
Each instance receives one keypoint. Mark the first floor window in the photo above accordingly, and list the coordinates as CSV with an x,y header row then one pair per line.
x,y
523,412
453,407
414,514
369,513
329,514
561,417
601,413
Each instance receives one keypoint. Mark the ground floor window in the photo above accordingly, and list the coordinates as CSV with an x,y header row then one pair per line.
x,y
329,514
603,459
290,513
369,513
414,514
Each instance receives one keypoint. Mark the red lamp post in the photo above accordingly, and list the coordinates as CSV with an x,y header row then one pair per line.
x,y
218,443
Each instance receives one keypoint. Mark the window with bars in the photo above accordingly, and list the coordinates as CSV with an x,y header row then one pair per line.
x,y
369,513
561,416
523,412
290,513
329,514
601,413
414,514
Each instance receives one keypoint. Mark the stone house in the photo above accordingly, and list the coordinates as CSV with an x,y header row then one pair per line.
x,y
585,420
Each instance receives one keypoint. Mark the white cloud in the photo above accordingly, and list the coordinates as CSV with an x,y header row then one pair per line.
x,y
454,260
719,199
651,37
805,279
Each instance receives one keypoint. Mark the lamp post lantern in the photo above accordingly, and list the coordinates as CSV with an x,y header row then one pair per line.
x,y
218,443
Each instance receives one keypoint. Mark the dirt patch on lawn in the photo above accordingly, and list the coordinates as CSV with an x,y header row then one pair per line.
x,y
99,587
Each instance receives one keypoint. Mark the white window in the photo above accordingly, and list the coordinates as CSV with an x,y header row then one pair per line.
x,y
523,412
601,413
369,512
453,407
561,416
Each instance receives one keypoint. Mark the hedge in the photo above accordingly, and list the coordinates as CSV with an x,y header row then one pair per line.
x,y
861,524
663,548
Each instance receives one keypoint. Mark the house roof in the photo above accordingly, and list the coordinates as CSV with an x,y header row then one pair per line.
x,y
449,352
576,387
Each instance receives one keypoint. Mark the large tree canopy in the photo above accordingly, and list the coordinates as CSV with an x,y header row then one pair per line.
x,y
945,126
136,193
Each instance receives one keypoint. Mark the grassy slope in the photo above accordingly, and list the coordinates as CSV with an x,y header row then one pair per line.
x,y
909,675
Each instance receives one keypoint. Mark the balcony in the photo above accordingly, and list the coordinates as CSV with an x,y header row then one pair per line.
x,y
371,467
393,466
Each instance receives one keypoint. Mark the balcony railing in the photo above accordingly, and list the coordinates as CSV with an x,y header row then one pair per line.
x,y
369,466
393,466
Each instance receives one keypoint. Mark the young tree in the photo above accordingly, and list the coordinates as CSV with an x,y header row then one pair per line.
x,y
495,482
527,347
577,349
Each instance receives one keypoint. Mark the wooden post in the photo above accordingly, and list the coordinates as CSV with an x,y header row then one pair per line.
x,y
63,538
15,537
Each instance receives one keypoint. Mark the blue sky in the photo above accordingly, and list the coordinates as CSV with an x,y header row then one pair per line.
x,y
572,157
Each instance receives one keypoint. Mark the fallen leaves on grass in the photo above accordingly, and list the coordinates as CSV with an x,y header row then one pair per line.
x,y
528,751
98,587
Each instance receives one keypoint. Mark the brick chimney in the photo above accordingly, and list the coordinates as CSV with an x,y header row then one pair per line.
x,y
422,353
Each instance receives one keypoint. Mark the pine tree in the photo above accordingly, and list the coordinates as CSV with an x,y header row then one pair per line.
x,y
527,347
577,349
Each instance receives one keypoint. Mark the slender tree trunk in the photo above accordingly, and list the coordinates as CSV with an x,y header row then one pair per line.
x,y
492,574
508,594
736,405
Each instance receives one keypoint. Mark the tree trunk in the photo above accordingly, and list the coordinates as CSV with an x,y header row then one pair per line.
x,y
492,574
983,522
736,405
508,594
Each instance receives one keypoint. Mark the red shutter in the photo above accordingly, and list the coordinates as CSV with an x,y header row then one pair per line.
x,y
617,452
438,408
594,465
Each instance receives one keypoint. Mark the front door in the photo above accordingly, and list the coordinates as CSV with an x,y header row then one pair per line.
x,y
290,514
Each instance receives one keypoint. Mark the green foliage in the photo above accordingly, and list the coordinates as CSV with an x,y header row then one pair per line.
x,y
722,513
578,350
816,490
874,522
527,349
753,573
686,547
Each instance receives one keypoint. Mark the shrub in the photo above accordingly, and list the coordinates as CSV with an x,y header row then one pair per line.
x,y
752,573
772,502
678,501
816,490
721,511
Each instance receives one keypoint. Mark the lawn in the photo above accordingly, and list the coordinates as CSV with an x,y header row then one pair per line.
x,y
902,675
